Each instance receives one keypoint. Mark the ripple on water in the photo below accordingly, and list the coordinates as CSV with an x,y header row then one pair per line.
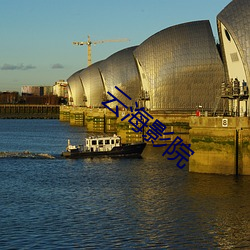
x,y
111,203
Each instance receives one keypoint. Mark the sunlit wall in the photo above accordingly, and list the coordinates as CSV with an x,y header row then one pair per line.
x,y
180,67
120,70
93,85
75,90
234,33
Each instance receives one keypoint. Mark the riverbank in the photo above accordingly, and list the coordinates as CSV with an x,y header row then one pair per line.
x,y
25,111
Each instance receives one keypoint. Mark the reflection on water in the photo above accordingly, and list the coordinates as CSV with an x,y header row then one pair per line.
x,y
113,203
224,200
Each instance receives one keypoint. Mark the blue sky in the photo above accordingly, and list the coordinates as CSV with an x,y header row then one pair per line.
x,y
36,35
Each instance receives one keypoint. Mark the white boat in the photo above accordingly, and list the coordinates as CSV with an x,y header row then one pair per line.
x,y
96,146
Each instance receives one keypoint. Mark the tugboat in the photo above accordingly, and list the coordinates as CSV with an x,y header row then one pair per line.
x,y
103,146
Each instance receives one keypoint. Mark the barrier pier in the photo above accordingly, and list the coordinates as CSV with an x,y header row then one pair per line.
x,y
221,145
102,120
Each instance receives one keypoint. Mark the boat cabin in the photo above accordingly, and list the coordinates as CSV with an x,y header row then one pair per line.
x,y
105,143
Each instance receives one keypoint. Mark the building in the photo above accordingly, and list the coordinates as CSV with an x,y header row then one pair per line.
x,y
92,84
60,89
37,90
120,70
38,95
178,69
76,92
234,33
9,97
175,70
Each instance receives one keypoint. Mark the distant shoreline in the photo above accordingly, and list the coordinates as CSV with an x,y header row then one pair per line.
x,y
24,111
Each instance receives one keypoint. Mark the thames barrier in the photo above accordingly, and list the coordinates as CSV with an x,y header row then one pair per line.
x,y
196,86
221,144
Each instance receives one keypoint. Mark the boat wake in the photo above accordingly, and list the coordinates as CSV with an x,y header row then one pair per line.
x,y
26,154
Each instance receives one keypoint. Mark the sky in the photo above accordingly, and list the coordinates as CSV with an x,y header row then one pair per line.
x,y
36,35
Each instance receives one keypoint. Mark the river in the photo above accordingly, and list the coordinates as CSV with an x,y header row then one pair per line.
x,y
48,202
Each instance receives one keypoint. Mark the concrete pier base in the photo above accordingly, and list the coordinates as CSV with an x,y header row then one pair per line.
x,y
221,145
64,113
102,120
77,118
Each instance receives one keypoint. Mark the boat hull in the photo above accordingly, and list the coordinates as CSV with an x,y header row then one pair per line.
x,y
126,150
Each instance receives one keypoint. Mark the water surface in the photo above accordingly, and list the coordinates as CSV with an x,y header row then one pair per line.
x,y
146,203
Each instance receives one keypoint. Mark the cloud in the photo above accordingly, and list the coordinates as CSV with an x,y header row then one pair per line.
x,y
21,66
28,67
57,66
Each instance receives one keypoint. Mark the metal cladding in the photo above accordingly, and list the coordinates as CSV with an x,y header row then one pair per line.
x,y
180,67
120,70
93,85
236,19
76,90
234,33
175,70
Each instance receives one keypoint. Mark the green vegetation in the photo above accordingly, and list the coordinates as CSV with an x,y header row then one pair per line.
x,y
218,140
212,143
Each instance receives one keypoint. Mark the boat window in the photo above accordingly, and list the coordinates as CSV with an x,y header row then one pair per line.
x,y
112,141
93,142
107,142
117,141
100,142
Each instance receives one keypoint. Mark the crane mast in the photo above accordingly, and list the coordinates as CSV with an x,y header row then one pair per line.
x,y
89,43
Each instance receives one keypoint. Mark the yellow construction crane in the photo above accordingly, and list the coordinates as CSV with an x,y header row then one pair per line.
x,y
89,43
